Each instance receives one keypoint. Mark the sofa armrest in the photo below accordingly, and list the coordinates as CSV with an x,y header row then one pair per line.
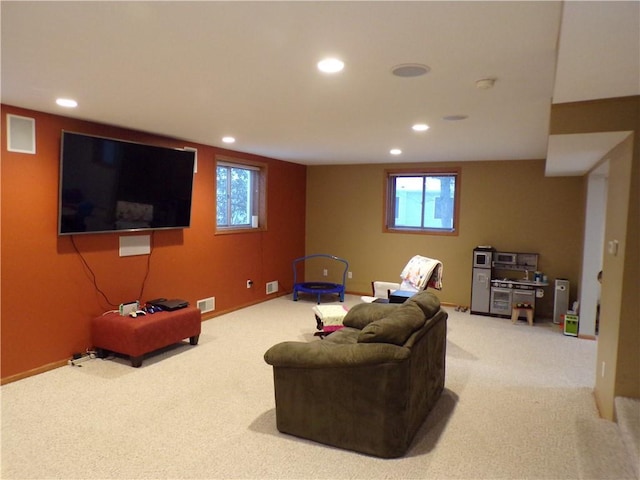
x,y
322,354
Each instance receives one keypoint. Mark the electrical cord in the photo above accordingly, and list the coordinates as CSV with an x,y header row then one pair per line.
x,y
144,280
93,275
95,281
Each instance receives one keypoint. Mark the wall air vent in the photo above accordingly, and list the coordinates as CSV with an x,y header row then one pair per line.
x,y
272,287
207,304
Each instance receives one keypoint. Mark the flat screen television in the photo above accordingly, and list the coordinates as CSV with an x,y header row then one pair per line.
x,y
109,185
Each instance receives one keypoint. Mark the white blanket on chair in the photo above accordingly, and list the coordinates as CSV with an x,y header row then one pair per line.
x,y
417,274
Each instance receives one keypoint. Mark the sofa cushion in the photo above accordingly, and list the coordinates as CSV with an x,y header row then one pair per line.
x,y
344,335
361,315
395,328
427,301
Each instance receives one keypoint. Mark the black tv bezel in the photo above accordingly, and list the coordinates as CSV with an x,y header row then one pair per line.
x,y
122,230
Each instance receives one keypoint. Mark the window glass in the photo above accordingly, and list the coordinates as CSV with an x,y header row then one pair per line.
x,y
222,192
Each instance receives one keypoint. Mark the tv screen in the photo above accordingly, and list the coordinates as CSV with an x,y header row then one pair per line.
x,y
111,185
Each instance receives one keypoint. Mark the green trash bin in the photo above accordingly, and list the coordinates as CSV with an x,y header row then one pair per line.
x,y
571,324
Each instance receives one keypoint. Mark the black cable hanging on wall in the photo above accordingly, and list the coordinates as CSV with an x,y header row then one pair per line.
x,y
144,280
95,281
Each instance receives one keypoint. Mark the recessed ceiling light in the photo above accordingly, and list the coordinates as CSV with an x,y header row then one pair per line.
x,y
330,65
410,70
67,102
395,151
420,127
228,139
455,118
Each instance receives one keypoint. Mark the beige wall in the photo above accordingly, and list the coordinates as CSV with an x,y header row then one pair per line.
x,y
510,205
618,362
628,379
616,336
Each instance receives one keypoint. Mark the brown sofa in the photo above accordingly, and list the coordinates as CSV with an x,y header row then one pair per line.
x,y
369,386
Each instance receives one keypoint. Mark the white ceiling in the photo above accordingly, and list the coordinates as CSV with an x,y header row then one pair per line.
x,y
576,154
201,70
599,51
598,57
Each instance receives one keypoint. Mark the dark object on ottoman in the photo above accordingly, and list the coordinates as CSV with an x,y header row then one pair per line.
x,y
369,386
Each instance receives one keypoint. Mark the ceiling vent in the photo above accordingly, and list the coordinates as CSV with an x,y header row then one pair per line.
x,y
410,70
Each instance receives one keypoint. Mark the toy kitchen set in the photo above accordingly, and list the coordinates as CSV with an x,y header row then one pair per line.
x,y
502,279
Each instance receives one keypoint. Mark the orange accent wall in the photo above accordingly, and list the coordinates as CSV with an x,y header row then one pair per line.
x,y
47,296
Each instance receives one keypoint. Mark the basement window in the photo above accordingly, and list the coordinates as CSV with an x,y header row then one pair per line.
x,y
422,201
240,195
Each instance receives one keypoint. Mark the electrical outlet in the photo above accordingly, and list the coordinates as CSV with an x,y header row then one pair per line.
x,y
350,275
325,272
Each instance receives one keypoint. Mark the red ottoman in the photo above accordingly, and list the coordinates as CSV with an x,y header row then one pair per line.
x,y
144,333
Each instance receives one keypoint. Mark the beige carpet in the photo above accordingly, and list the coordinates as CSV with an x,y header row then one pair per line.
x,y
512,396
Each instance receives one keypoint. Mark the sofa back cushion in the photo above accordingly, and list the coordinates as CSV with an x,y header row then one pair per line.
x,y
361,315
396,327
427,301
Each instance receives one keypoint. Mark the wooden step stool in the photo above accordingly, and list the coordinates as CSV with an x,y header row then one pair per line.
x,y
519,308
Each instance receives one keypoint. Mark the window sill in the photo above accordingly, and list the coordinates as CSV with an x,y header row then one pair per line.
x,y
416,231
232,231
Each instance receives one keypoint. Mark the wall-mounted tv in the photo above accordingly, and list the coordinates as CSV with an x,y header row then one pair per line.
x,y
109,185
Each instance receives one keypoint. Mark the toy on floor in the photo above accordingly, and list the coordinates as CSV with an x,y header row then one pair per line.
x,y
319,288
329,318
